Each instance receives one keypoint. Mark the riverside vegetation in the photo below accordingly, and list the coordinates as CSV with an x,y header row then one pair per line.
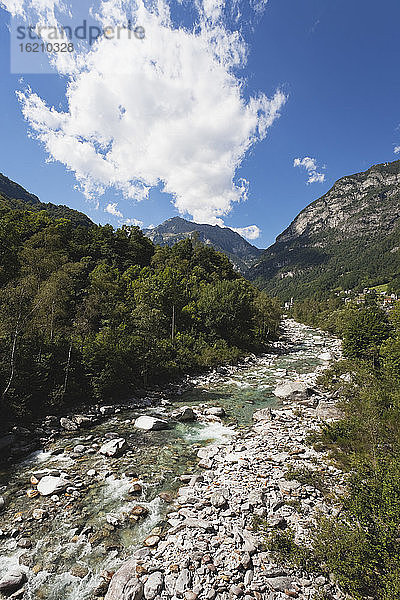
x,y
360,546
89,313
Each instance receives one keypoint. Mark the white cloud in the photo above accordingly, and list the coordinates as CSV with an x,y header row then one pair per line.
x,y
397,150
168,110
41,10
112,209
251,232
135,222
310,165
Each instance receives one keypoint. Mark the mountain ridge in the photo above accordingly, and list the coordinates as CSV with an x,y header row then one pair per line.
x,y
346,238
13,195
223,239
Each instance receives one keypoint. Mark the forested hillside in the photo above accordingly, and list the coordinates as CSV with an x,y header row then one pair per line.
x,y
347,239
89,313
13,195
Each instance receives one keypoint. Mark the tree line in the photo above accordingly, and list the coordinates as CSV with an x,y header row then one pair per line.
x,y
90,313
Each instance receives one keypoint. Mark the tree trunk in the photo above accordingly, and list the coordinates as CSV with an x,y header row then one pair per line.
x,y
12,358
67,369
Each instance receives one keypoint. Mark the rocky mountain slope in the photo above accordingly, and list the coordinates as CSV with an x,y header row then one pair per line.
x,y
349,237
13,195
239,251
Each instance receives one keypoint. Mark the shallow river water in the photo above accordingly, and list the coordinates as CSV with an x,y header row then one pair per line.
x,y
77,540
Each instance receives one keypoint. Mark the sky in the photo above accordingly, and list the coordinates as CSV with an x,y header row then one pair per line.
x,y
229,112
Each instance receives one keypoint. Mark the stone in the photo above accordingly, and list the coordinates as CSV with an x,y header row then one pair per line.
x,y
79,449
153,585
198,524
135,489
293,390
24,542
185,414
166,496
79,571
12,581
183,582
216,411
327,411
148,423
50,485
218,499
113,447
26,560
2,503
236,590
264,414
38,514
151,541
68,424
138,511
125,585
279,584
289,488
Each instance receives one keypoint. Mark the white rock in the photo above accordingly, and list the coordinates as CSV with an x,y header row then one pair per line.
x,y
151,423
113,447
216,411
12,581
292,390
153,585
50,485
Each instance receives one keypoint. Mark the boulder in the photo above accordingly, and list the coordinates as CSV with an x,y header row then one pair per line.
x,y
151,541
293,390
264,414
135,489
185,414
12,581
50,485
216,411
148,423
113,447
125,584
327,411
68,424
218,499
183,582
153,585
38,514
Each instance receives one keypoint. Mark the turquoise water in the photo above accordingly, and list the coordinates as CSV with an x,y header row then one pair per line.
x,y
76,531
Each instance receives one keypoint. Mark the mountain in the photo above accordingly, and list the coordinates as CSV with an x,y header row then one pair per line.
x,y
348,238
239,251
13,195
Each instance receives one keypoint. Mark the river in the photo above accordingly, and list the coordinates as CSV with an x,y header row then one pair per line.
x,y
90,527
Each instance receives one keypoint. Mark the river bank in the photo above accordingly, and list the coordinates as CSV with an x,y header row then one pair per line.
x,y
110,508
212,549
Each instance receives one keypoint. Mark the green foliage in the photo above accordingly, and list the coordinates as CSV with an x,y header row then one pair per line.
x,y
306,476
361,546
89,313
364,333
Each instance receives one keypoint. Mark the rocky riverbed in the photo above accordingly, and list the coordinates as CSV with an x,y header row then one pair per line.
x,y
172,493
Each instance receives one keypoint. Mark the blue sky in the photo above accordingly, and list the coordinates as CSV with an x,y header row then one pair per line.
x,y
337,63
